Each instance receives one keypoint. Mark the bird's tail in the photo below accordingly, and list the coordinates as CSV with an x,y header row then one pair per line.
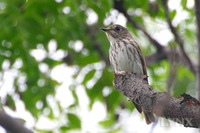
x,y
149,117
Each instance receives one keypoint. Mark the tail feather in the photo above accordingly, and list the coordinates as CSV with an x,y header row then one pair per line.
x,y
149,117
139,109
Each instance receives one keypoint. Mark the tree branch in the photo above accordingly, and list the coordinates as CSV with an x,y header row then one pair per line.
x,y
160,103
12,124
197,12
177,37
119,5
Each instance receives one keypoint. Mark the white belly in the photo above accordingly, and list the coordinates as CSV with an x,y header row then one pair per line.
x,y
123,61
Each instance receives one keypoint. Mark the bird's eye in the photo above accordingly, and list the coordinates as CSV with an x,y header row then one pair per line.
x,y
117,28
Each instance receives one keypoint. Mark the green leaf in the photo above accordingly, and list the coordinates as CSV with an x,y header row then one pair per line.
x,y
10,102
65,128
74,121
89,76
184,81
173,14
113,100
72,88
184,3
107,123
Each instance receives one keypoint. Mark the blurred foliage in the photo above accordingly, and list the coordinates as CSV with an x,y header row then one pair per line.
x,y
32,25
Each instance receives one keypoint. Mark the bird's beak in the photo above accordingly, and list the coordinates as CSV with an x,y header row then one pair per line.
x,y
105,30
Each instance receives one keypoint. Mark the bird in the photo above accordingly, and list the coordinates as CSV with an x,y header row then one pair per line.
x,y
125,55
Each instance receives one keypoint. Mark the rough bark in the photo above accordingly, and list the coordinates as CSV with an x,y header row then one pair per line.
x,y
160,103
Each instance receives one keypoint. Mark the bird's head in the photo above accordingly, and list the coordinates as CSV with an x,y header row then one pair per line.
x,y
116,31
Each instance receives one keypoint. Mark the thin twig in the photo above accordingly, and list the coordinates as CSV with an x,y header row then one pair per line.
x,y
197,12
177,37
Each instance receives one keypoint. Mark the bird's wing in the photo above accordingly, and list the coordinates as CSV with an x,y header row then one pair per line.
x,y
142,60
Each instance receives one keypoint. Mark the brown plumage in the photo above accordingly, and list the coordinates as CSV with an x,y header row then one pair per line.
x,y
126,55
